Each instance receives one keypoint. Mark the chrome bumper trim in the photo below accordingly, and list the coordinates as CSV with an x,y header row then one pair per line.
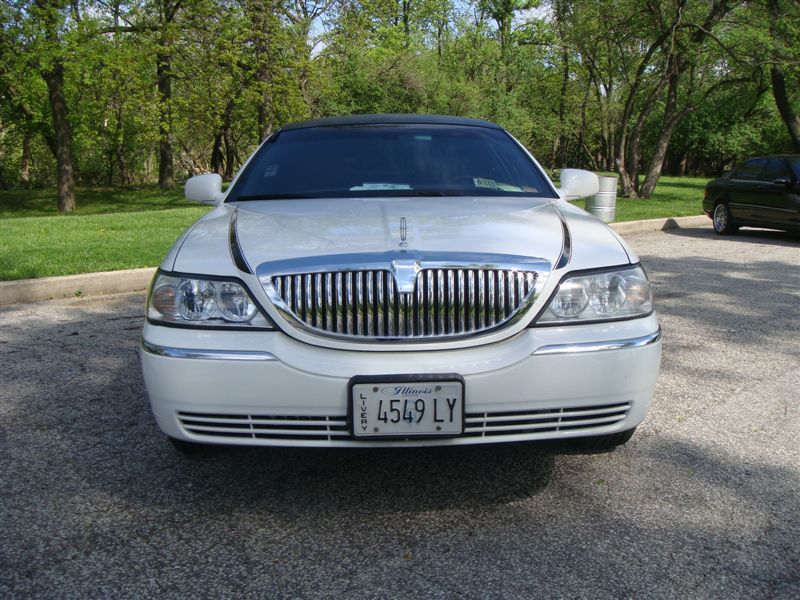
x,y
579,348
246,355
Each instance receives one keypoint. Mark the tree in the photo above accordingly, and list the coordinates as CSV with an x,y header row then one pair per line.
x,y
34,36
123,91
784,28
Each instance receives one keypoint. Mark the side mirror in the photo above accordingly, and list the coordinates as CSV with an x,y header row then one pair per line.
x,y
205,189
577,183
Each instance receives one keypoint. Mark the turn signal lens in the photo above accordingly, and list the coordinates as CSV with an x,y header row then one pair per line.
x,y
163,300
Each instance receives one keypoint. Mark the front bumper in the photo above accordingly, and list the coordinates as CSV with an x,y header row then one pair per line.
x,y
264,388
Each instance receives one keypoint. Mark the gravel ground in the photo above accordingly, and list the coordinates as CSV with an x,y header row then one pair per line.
x,y
704,502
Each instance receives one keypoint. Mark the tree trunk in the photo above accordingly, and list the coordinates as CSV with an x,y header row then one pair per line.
x,y
54,78
260,13
634,151
217,157
119,150
622,160
25,166
166,170
683,166
230,154
558,158
790,119
122,163
227,140
671,119
439,40
265,123
110,168
581,142
626,179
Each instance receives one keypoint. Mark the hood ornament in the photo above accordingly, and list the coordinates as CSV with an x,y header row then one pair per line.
x,y
403,232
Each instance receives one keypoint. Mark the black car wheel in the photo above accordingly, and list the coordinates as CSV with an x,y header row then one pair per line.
x,y
723,221
599,443
188,448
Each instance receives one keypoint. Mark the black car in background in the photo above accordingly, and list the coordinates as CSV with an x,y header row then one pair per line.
x,y
760,192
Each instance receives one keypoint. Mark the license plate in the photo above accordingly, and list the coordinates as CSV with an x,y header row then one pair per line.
x,y
407,406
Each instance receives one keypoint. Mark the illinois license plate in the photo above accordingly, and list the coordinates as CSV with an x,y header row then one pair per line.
x,y
407,406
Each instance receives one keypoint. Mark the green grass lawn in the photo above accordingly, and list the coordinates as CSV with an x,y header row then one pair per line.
x,y
118,228
673,197
93,201
112,228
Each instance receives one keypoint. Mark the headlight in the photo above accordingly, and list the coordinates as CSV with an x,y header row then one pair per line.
x,y
618,294
195,301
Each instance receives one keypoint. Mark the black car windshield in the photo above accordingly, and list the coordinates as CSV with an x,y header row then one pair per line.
x,y
390,160
795,162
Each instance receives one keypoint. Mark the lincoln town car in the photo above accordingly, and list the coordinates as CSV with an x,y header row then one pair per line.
x,y
398,280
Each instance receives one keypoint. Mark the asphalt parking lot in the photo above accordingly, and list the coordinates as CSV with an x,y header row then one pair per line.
x,y
704,502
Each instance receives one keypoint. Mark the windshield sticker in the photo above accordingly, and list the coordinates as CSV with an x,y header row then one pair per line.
x,y
480,182
379,186
507,187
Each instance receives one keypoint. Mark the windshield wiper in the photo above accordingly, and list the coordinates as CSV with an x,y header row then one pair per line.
x,y
432,193
272,197
410,193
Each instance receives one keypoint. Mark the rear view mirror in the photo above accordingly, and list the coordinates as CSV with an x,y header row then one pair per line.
x,y
205,189
577,183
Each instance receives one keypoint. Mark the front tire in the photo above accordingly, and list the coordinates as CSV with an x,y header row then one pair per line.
x,y
600,443
187,448
723,220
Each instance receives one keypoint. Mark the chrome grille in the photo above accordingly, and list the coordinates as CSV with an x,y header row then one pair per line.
x,y
444,301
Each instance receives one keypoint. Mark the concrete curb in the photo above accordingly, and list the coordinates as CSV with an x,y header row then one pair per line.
x,y
131,280
70,286
630,227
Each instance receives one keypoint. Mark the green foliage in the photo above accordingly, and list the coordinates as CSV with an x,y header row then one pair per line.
x,y
557,73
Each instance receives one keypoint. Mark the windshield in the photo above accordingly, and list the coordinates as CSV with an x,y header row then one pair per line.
x,y
390,160
795,162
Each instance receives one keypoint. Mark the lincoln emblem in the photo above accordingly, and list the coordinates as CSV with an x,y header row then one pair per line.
x,y
403,231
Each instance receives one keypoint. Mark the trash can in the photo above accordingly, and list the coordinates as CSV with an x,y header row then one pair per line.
x,y
604,204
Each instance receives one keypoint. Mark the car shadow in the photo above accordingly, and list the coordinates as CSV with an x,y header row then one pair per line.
x,y
729,294
89,408
745,235
84,464
82,394
289,481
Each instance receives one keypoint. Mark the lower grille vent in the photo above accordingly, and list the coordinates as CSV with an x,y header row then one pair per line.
x,y
264,426
320,429
542,421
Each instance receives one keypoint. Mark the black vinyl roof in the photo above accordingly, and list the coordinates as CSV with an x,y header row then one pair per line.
x,y
389,119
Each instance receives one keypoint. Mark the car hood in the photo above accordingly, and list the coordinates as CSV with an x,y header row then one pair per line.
x,y
277,230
